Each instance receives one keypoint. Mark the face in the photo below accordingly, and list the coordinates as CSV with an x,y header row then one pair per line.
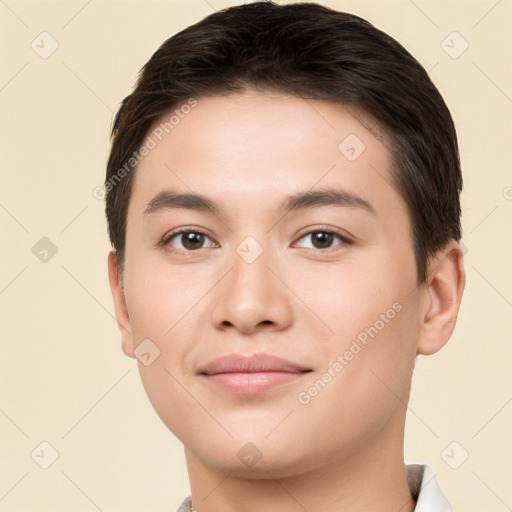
x,y
275,318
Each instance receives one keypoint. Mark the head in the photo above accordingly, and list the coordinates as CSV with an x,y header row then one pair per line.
x,y
315,168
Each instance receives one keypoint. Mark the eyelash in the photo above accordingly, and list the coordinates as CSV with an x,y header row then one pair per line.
x,y
183,231
345,240
321,229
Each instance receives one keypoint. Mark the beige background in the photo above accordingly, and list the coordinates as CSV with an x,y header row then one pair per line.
x,y
64,379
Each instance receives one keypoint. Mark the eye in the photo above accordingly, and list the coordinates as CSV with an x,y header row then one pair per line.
x,y
187,240
324,239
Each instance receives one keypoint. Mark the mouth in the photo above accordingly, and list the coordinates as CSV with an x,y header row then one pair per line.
x,y
251,375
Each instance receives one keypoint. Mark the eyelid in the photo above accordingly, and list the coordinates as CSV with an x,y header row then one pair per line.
x,y
345,237
185,229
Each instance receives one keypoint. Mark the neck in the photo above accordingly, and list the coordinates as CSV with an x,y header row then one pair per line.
x,y
372,477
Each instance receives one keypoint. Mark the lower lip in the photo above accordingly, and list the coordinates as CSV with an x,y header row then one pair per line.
x,y
251,383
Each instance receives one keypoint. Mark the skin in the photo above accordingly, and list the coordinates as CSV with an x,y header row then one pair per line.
x,y
343,450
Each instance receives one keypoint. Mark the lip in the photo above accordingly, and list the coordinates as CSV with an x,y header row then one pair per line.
x,y
250,375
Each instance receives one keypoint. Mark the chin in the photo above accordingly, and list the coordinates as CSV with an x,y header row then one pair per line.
x,y
258,459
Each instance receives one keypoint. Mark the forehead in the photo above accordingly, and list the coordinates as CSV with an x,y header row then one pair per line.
x,y
245,147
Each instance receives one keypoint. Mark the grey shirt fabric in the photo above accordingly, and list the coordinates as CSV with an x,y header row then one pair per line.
x,y
422,483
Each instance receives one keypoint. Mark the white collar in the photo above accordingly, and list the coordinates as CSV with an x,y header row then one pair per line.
x,y
422,483
424,488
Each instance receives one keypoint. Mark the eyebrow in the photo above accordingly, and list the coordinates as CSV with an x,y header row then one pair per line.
x,y
169,199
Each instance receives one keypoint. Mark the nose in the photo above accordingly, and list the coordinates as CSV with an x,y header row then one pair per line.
x,y
252,297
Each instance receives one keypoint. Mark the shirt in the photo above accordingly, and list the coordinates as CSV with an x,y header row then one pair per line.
x,y
422,484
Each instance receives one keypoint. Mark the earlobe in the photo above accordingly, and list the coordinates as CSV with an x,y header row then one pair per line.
x,y
122,316
444,289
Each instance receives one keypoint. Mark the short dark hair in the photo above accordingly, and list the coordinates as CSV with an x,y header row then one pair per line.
x,y
314,52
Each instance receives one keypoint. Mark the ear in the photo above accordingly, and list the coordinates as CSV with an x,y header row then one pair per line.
x,y
122,316
444,293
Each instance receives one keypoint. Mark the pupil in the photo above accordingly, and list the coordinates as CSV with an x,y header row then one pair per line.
x,y
323,239
193,240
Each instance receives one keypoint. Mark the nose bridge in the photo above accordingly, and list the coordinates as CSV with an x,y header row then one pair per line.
x,y
251,261
251,294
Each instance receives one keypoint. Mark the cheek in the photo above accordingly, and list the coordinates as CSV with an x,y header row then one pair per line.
x,y
164,305
374,323
160,298
366,382
353,295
